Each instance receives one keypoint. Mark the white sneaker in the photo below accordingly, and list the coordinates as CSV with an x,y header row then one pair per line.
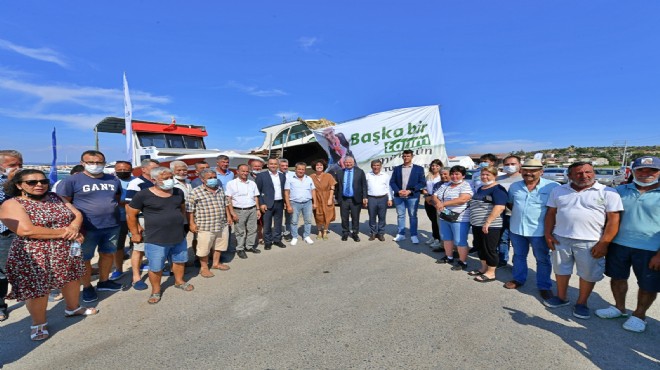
x,y
309,240
414,239
436,243
429,242
400,238
294,241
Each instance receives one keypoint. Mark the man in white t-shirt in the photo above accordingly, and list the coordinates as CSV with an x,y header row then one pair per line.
x,y
582,219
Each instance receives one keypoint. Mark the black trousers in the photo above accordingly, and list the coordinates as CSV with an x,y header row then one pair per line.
x,y
432,213
377,208
487,244
348,207
273,214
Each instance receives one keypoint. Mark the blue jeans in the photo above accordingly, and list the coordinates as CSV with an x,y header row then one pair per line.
x,y
306,209
158,253
504,240
409,204
105,239
541,254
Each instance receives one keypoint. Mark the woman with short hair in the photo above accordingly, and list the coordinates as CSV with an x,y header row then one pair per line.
x,y
451,203
486,207
325,183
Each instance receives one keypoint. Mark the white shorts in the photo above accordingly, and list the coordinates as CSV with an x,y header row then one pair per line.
x,y
572,251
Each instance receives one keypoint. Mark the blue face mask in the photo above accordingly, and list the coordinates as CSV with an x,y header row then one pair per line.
x,y
167,184
484,164
212,183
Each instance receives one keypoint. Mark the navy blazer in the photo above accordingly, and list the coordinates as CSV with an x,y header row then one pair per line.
x,y
416,182
266,188
359,185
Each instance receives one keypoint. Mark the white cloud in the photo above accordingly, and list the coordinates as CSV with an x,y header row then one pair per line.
x,y
254,90
289,116
307,42
43,54
97,102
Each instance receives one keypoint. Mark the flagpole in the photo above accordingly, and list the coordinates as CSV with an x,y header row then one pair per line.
x,y
128,121
52,175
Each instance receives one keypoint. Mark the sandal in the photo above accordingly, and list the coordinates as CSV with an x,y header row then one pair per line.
x,y
475,273
513,284
4,312
208,274
483,279
86,311
39,332
186,287
154,298
635,324
220,267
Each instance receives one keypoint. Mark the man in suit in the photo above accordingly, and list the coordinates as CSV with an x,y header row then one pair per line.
x,y
407,183
271,189
351,194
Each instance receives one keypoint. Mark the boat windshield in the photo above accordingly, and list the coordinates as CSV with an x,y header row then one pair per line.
x,y
171,141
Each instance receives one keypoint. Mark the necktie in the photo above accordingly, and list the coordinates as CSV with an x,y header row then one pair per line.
x,y
348,186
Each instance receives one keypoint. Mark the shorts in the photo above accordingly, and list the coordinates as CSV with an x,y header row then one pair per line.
x,y
573,251
456,232
158,253
105,239
139,247
620,258
212,240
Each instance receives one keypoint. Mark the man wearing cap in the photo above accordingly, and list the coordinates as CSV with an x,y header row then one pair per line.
x,y
581,221
637,244
527,200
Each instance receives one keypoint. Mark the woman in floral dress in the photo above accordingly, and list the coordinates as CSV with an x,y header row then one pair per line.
x,y
40,257
324,183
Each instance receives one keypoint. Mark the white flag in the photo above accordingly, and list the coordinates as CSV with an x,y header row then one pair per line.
x,y
128,117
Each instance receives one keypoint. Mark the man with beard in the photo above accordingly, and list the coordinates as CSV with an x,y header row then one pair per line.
x,y
582,219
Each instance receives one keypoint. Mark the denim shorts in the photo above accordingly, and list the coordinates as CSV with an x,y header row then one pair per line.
x,y
576,252
620,258
454,231
105,239
158,253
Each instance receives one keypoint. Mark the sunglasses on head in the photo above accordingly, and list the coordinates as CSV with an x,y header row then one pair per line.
x,y
35,182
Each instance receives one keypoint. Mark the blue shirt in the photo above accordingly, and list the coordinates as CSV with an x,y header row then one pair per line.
x,y
529,207
224,179
197,182
300,191
95,198
640,221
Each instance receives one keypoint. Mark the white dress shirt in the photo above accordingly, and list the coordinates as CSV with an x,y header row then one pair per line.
x,y
378,185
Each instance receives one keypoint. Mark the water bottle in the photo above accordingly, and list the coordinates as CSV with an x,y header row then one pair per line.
x,y
76,250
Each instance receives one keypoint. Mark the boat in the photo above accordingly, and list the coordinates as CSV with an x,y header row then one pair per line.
x,y
293,140
167,142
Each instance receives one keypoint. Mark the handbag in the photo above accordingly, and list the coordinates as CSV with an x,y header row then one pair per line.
x,y
447,214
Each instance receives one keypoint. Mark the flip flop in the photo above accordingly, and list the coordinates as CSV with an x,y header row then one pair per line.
x,y
483,279
475,273
86,311
206,276
220,267
186,287
154,298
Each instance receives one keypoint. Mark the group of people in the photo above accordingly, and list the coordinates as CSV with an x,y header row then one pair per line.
x,y
48,239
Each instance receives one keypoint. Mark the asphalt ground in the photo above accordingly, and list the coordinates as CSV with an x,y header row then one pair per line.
x,y
335,305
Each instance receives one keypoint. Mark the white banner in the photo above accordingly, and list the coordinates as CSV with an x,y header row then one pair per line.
x,y
385,136
128,119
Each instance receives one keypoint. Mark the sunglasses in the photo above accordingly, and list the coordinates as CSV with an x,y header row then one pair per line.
x,y
35,182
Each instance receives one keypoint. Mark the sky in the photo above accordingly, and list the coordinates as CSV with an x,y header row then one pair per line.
x,y
508,75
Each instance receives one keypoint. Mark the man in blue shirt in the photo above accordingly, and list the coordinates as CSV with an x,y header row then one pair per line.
x,y
96,195
637,245
222,170
299,194
11,161
527,200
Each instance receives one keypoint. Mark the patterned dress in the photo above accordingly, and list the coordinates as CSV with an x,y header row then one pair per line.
x,y
35,266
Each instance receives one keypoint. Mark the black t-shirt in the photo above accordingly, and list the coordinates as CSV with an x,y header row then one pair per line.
x,y
163,220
